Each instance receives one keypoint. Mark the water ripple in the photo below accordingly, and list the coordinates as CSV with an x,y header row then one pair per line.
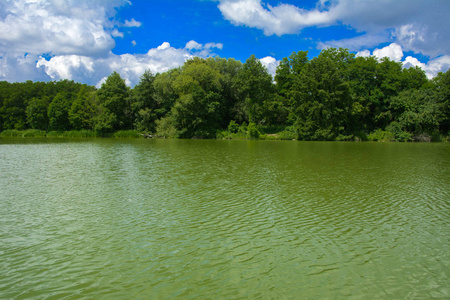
x,y
217,219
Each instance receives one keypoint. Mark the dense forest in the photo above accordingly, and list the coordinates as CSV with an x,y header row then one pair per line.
x,y
334,96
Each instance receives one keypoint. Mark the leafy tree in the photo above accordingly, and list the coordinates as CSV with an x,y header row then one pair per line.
x,y
321,97
166,127
114,105
417,112
13,111
365,92
442,94
144,105
288,70
198,111
413,78
58,112
164,91
37,113
83,110
229,70
256,88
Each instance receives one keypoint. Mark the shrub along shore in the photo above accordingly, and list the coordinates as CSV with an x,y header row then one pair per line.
x,y
332,97
244,133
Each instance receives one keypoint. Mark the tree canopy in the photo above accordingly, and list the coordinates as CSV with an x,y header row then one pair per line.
x,y
334,96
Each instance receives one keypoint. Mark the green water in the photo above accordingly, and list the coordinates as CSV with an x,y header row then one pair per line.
x,y
193,219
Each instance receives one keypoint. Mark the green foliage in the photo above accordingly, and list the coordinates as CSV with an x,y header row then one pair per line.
x,y
58,112
83,110
321,97
37,113
166,127
334,96
256,89
34,133
198,111
144,106
79,134
233,127
127,134
417,112
253,131
11,133
399,134
381,135
115,108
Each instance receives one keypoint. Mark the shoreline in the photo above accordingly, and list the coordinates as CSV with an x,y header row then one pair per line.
x,y
134,134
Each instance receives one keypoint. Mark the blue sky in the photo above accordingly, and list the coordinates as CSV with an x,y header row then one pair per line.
x,y
86,40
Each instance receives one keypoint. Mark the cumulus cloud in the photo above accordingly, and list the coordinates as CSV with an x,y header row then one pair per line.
x,y
67,66
132,23
420,26
117,33
357,43
129,66
73,39
14,68
364,53
59,27
271,64
193,45
279,20
395,52
432,67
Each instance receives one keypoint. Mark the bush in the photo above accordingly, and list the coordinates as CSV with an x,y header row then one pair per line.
x,y
127,134
381,135
253,131
11,133
345,138
233,127
288,134
79,133
398,132
34,133
243,128
166,127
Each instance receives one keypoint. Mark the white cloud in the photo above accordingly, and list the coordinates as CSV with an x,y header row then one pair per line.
x,y
163,46
133,42
193,45
432,68
279,20
73,39
72,67
271,64
421,26
132,23
364,53
413,62
213,45
117,33
14,68
129,66
439,64
357,43
59,27
393,51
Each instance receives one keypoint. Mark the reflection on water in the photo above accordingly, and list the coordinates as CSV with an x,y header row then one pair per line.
x,y
223,219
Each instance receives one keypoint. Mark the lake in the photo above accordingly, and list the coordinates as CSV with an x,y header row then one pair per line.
x,y
212,219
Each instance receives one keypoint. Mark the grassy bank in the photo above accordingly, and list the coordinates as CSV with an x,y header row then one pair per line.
x,y
33,133
249,132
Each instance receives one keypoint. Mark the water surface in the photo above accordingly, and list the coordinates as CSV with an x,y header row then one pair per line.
x,y
194,219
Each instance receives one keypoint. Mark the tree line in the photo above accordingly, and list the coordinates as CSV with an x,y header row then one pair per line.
x,y
334,96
